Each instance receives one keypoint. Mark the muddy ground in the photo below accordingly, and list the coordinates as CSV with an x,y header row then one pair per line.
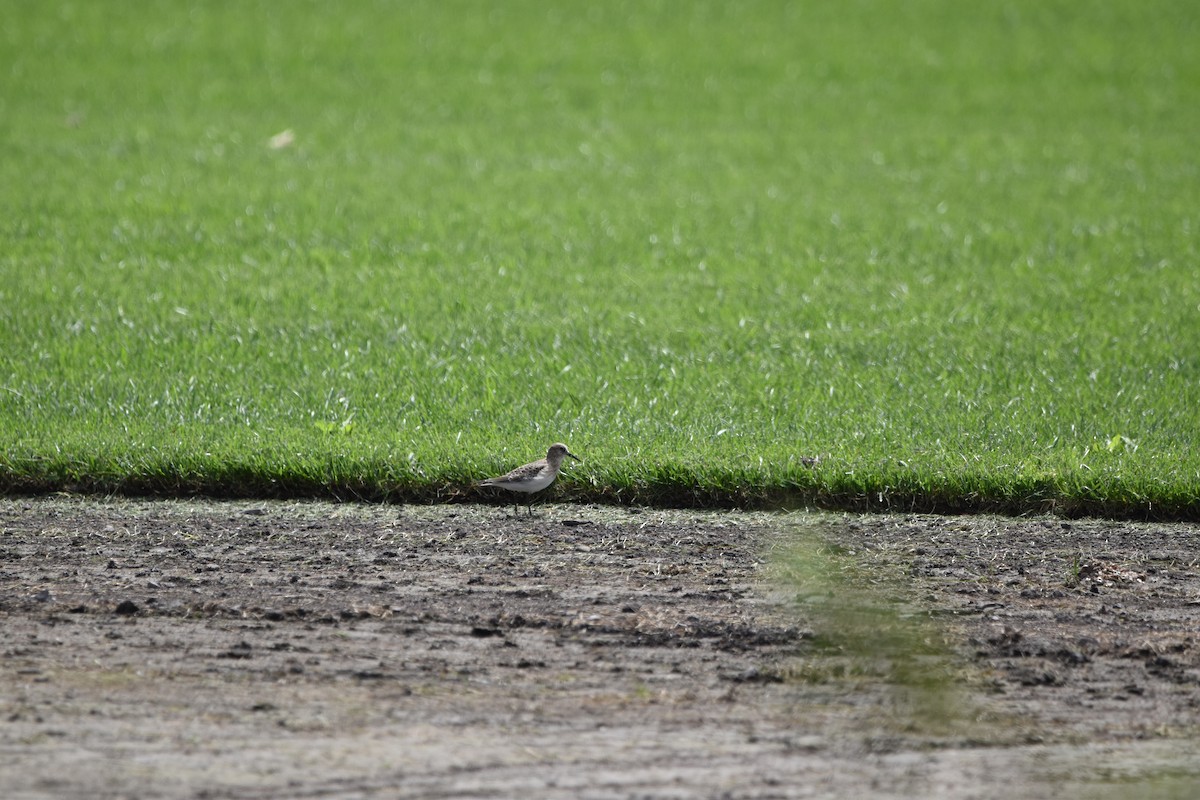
x,y
234,650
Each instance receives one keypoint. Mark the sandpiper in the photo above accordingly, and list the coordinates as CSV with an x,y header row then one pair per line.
x,y
533,477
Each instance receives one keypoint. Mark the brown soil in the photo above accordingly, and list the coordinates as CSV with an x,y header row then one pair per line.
x,y
233,650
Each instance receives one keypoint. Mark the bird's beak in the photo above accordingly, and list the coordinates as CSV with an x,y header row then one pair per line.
x,y
577,458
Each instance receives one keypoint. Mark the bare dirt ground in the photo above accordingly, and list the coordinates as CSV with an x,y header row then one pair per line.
x,y
234,650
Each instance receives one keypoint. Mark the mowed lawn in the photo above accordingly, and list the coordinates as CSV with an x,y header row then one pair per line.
x,y
381,249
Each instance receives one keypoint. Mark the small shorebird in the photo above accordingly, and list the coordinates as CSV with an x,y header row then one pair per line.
x,y
533,477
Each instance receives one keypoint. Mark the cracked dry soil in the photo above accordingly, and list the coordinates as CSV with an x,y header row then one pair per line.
x,y
234,650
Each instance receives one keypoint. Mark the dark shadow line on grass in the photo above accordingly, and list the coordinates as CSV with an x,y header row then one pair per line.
x,y
865,500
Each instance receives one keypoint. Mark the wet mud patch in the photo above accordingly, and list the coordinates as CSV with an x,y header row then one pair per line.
x,y
180,649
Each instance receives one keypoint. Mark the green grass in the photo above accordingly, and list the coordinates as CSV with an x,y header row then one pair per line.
x,y
950,248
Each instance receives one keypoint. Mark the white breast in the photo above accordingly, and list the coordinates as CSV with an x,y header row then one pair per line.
x,y
534,483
